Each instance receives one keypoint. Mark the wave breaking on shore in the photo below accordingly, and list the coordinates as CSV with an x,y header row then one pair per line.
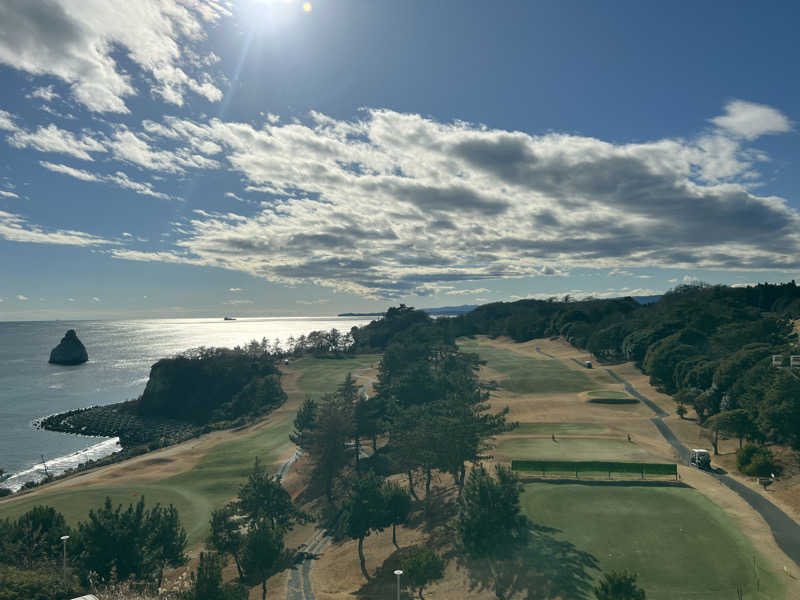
x,y
60,465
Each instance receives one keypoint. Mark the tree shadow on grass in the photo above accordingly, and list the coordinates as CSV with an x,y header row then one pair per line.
x,y
383,584
435,512
547,568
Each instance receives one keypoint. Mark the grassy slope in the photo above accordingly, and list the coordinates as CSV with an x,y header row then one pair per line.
x,y
680,543
527,375
211,482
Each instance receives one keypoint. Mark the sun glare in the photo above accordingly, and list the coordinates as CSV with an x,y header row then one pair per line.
x,y
306,6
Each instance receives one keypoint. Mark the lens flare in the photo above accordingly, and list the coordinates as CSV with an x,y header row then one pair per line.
x,y
306,6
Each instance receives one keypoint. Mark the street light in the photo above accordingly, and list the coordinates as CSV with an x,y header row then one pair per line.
x,y
64,539
398,572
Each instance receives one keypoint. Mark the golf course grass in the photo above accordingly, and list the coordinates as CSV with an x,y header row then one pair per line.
x,y
210,483
681,545
320,376
571,448
195,493
557,428
607,394
529,375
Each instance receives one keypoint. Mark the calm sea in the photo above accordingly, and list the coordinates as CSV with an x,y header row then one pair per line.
x,y
120,356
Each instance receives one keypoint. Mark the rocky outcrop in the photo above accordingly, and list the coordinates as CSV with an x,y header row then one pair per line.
x,y
70,351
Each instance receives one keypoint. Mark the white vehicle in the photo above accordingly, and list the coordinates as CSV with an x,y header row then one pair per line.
x,y
700,458
588,364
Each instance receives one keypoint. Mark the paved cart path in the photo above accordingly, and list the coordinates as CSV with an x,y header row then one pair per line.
x,y
784,529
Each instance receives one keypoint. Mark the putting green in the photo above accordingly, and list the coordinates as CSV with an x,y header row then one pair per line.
x,y
681,545
571,448
214,480
607,394
528,375
557,428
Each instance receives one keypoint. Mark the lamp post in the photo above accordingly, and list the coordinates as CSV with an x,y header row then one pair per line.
x,y
398,572
64,539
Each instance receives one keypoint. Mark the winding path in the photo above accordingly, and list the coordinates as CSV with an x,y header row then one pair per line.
x,y
784,529
298,586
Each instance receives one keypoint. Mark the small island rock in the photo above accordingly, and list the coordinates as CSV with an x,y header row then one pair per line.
x,y
70,351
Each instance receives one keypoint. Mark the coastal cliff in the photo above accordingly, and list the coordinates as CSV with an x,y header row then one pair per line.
x,y
70,351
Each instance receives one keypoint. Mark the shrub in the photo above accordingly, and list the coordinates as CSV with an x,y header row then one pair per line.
x,y
619,586
5,492
35,584
423,566
757,461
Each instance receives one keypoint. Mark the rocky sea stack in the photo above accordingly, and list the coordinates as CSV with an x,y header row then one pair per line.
x,y
70,351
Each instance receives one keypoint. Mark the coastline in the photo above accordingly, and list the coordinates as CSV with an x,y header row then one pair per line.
x,y
61,466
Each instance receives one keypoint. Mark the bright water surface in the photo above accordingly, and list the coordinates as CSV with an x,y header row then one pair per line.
x,y
120,356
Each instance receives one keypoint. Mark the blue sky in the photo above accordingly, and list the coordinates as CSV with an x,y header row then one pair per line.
x,y
268,157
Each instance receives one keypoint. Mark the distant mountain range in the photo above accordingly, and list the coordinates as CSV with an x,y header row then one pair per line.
x,y
465,308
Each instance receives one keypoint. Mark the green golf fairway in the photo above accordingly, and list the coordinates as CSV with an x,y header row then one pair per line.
x,y
571,449
320,376
681,545
528,375
557,428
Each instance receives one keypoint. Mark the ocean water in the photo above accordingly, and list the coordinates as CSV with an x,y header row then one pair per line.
x,y
120,356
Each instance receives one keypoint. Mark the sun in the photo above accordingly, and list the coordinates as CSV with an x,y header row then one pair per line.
x,y
306,6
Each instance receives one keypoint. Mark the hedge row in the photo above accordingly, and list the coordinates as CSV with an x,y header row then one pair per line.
x,y
594,466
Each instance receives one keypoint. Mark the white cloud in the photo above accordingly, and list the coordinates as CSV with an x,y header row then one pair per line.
x,y
312,302
7,121
45,93
236,290
70,299
119,178
54,139
6,194
75,40
21,297
129,147
750,120
620,273
395,204
72,172
17,229
466,292
744,285
238,302
145,189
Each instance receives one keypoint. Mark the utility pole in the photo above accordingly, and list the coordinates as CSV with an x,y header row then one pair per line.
x,y
398,572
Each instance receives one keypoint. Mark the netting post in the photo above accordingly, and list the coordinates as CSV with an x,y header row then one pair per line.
x,y
642,471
